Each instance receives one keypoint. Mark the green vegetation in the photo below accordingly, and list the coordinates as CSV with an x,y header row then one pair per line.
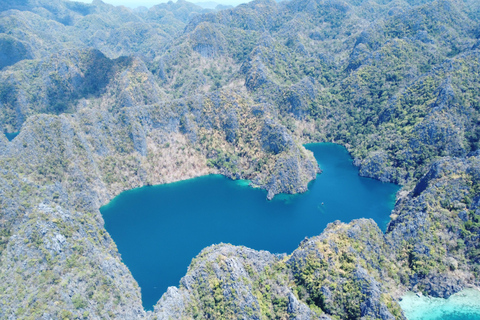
x,y
108,99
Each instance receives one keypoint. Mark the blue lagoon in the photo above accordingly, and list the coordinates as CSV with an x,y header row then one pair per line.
x,y
159,229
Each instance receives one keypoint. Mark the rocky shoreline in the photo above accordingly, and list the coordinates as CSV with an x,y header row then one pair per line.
x,y
108,99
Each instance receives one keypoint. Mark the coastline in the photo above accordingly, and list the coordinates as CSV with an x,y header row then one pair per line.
x,y
461,305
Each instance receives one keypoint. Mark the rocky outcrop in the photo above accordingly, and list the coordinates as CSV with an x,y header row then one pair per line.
x,y
298,98
292,172
56,245
70,80
376,166
326,271
207,41
275,137
234,282
11,51
435,227
237,92
337,257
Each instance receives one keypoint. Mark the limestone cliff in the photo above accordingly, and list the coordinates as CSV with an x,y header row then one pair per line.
x,y
108,99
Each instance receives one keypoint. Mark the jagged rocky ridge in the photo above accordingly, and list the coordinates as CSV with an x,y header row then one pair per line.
x,y
107,99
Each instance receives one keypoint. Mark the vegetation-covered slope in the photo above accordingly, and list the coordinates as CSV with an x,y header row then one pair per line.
x,y
107,99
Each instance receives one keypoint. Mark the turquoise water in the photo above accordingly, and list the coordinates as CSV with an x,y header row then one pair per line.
x,y
159,229
11,136
464,305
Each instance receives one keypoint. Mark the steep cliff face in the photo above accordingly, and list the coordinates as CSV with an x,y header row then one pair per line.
x,y
431,246
72,80
61,168
435,229
120,149
107,99
340,274
346,272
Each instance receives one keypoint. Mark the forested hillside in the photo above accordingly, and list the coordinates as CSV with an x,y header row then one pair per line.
x,y
108,98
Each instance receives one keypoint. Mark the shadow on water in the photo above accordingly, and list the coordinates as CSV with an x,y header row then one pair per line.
x,y
159,229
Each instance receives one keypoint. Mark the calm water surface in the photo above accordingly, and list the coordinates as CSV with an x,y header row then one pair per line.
x,y
159,229
464,305
11,136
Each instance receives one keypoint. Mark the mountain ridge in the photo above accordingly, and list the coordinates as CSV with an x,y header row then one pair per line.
x,y
107,99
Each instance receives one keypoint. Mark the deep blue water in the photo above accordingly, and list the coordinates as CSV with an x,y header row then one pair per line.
x,y
159,229
11,136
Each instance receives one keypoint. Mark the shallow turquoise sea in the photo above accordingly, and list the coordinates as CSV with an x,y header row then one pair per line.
x,y
159,229
464,305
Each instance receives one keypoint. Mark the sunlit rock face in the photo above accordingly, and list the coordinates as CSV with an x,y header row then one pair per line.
x,y
107,99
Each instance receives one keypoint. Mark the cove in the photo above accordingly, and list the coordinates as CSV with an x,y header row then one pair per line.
x,y
11,136
464,305
159,229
